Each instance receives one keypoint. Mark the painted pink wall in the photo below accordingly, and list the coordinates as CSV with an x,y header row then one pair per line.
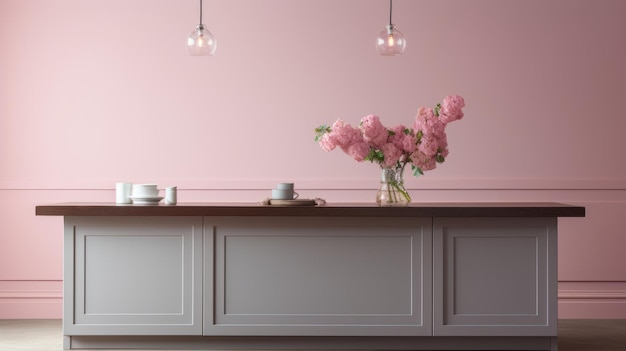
x,y
94,92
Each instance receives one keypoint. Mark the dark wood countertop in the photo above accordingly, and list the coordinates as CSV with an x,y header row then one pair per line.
x,y
434,209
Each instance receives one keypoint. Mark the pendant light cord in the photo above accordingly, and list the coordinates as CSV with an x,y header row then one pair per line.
x,y
200,11
390,8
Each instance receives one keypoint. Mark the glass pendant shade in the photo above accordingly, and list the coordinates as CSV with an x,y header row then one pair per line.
x,y
201,42
390,41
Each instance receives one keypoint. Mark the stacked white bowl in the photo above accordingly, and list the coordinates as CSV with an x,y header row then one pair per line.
x,y
145,191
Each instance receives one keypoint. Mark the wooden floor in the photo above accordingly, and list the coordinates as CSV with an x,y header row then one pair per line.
x,y
574,335
587,335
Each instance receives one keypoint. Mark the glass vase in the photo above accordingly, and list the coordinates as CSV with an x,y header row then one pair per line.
x,y
392,191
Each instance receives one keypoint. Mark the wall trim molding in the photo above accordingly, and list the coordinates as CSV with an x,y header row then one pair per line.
x,y
31,299
33,288
592,295
43,299
362,183
592,299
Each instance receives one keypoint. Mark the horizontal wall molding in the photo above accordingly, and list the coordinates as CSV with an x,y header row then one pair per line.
x,y
31,299
43,299
592,295
592,290
368,183
592,299
24,289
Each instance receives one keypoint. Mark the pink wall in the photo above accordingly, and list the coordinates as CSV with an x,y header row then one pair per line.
x,y
94,92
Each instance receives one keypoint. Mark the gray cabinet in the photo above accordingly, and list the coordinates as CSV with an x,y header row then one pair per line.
x,y
337,282
495,276
312,276
133,276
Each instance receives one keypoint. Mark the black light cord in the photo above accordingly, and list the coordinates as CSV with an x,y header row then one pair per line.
x,y
390,7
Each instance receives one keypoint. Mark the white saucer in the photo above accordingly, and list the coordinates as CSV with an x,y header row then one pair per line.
x,y
143,200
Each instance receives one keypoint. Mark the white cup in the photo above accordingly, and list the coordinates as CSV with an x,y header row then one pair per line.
x,y
284,194
122,193
285,186
170,195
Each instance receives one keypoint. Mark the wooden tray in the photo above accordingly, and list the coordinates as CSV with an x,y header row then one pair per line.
x,y
296,202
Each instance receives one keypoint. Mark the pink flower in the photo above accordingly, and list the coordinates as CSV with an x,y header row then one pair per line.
x,y
403,139
443,146
373,131
409,144
397,138
451,108
424,120
344,134
422,145
429,165
422,161
327,142
428,145
428,123
392,154
358,151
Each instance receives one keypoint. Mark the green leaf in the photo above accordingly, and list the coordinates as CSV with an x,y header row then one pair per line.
x,y
417,171
375,155
440,159
391,132
320,131
437,108
406,131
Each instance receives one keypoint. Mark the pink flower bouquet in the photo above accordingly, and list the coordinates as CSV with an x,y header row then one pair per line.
x,y
423,145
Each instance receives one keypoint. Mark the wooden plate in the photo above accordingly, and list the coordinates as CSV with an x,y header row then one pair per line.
x,y
296,202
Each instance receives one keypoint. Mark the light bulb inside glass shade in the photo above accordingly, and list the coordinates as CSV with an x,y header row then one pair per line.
x,y
390,41
201,42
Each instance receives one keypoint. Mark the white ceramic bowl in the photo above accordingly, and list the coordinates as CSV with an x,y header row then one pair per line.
x,y
145,190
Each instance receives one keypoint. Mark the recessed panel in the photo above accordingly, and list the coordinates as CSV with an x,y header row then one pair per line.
x,y
320,276
133,274
495,275
317,275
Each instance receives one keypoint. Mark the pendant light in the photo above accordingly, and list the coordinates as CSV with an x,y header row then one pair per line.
x,y
201,41
390,42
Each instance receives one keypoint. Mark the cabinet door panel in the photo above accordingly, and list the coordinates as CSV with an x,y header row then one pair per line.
x,y
320,276
495,276
119,278
133,276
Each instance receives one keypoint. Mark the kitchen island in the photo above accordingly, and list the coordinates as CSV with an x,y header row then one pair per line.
x,y
430,276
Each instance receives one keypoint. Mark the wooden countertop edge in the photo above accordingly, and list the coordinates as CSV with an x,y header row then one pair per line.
x,y
470,209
